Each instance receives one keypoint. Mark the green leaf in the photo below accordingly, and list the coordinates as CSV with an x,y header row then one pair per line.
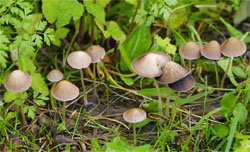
x,y
30,110
38,40
10,96
10,115
169,48
3,47
133,2
94,142
27,64
228,104
68,9
239,72
223,64
220,130
38,84
59,34
143,123
50,9
178,17
40,26
103,3
137,43
128,81
97,11
241,111
115,31
243,13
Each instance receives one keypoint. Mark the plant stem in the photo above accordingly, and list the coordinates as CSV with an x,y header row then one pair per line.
x,y
21,109
64,112
84,89
132,21
81,29
159,98
134,132
216,74
225,74
167,103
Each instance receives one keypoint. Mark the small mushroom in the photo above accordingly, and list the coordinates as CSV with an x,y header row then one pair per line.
x,y
149,64
133,116
172,72
190,51
18,81
79,60
233,47
183,85
211,51
55,75
65,91
96,53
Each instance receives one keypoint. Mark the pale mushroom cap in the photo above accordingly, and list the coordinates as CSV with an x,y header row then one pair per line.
x,y
191,51
79,59
183,85
134,115
211,51
96,53
18,81
233,47
65,91
149,64
55,75
172,72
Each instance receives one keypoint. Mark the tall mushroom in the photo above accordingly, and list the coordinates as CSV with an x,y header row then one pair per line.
x,y
150,65
79,60
178,78
231,48
212,51
133,116
65,91
18,81
96,53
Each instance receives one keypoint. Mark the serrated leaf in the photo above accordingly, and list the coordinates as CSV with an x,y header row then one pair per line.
x,y
169,48
68,9
30,110
50,9
38,84
10,96
27,64
97,11
40,102
38,40
136,44
40,26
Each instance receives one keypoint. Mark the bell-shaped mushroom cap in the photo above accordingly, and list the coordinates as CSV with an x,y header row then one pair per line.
x,y
65,91
149,64
211,51
96,53
191,51
183,85
172,72
134,115
233,47
79,59
55,75
18,81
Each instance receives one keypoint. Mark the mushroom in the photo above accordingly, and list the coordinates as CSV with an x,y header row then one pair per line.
x,y
65,91
231,48
96,53
79,60
150,65
55,75
133,116
18,81
190,51
175,75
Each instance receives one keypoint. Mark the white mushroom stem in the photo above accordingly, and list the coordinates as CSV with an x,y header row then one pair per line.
x,y
64,112
134,132
159,98
84,89
21,109
216,74
168,103
227,69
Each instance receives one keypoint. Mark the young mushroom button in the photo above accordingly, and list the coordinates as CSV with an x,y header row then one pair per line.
x,y
55,76
211,51
96,53
134,115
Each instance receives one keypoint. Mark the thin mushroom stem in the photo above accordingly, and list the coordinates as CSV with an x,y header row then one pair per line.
x,y
134,132
168,103
159,98
83,88
94,74
175,106
225,74
21,109
216,74
190,64
64,112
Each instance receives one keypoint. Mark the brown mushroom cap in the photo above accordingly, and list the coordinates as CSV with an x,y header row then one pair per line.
x,y
190,51
149,64
233,47
79,59
211,51
172,72
65,91
134,115
55,75
18,81
183,85
96,53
